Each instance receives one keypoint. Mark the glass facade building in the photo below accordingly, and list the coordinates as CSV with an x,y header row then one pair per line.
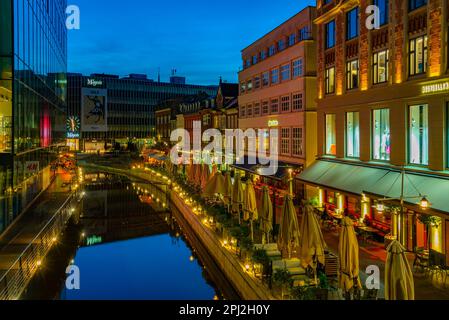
x,y
130,107
33,65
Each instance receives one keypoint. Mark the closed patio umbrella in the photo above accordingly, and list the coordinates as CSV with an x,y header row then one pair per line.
x,y
250,211
266,215
399,284
311,244
227,188
348,251
237,195
205,176
214,170
289,230
214,186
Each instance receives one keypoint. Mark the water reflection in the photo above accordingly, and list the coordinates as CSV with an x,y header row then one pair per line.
x,y
133,249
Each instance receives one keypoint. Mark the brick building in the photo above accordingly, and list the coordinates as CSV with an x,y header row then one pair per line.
x,y
383,105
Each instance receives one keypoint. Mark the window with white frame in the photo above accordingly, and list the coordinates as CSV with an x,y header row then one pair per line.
x,y
285,72
297,101
285,103
274,106
297,141
257,109
242,112
249,110
274,76
285,141
265,79
265,107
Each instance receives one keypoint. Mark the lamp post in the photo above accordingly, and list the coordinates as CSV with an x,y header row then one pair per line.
x,y
398,226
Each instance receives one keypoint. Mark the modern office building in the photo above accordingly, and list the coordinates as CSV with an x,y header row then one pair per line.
x,y
278,90
103,109
33,63
383,106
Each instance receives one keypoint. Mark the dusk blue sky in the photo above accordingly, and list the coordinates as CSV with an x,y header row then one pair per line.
x,y
202,39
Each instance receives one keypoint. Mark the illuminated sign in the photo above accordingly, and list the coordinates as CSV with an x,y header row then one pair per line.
x,y
435,88
73,135
273,123
73,127
94,83
90,241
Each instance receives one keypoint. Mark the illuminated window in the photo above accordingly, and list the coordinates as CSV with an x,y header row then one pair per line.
x,y
297,142
418,56
329,80
331,135
419,135
352,135
285,141
380,66
381,134
352,74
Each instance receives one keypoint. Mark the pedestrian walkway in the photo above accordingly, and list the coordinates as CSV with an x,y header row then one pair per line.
x,y
27,226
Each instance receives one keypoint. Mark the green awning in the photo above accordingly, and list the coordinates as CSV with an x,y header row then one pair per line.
x,y
356,179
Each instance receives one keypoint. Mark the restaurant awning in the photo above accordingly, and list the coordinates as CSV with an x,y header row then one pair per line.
x,y
381,182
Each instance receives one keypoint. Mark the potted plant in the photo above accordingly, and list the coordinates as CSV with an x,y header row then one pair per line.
x,y
282,279
261,261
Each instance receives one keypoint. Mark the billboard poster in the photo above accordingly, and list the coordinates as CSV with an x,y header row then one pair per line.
x,y
94,110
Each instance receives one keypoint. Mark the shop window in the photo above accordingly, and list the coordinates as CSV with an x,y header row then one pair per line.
x,y
331,135
352,135
419,135
381,134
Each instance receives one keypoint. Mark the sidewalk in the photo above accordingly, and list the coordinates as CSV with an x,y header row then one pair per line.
x,y
29,224
375,254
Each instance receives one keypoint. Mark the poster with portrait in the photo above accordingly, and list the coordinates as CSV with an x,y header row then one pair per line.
x,y
94,112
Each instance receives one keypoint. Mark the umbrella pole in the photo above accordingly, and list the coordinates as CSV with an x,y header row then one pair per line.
x,y
252,231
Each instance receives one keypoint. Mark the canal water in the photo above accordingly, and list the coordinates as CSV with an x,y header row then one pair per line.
x,y
130,246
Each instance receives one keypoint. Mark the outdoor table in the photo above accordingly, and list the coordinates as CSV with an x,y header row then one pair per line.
x,y
366,231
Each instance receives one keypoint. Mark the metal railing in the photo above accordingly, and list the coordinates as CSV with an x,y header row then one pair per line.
x,y
15,280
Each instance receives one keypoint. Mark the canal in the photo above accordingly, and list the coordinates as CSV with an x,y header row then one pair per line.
x,y
127,245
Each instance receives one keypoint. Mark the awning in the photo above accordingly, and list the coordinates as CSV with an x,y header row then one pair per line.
x,y
356,179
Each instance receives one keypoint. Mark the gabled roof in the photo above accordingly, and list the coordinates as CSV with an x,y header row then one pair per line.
x,y
229,89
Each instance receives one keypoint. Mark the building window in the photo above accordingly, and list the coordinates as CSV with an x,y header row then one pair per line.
x,y
352,135
263,54
330,80
297,101
242,87
291,39
297,142
380,66
265,107
304,34
419,135
274,106
297,68
285,141
271,50
281,45
265,79
255,60
249,85
415,4
381,134
352,74
352,24
383,10
274,76
285,104
330,34
249,110
257,109
418,55
257,82
331,135
242,112
285,72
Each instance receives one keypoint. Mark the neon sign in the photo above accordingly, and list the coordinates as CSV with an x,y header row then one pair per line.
x,y
273,123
